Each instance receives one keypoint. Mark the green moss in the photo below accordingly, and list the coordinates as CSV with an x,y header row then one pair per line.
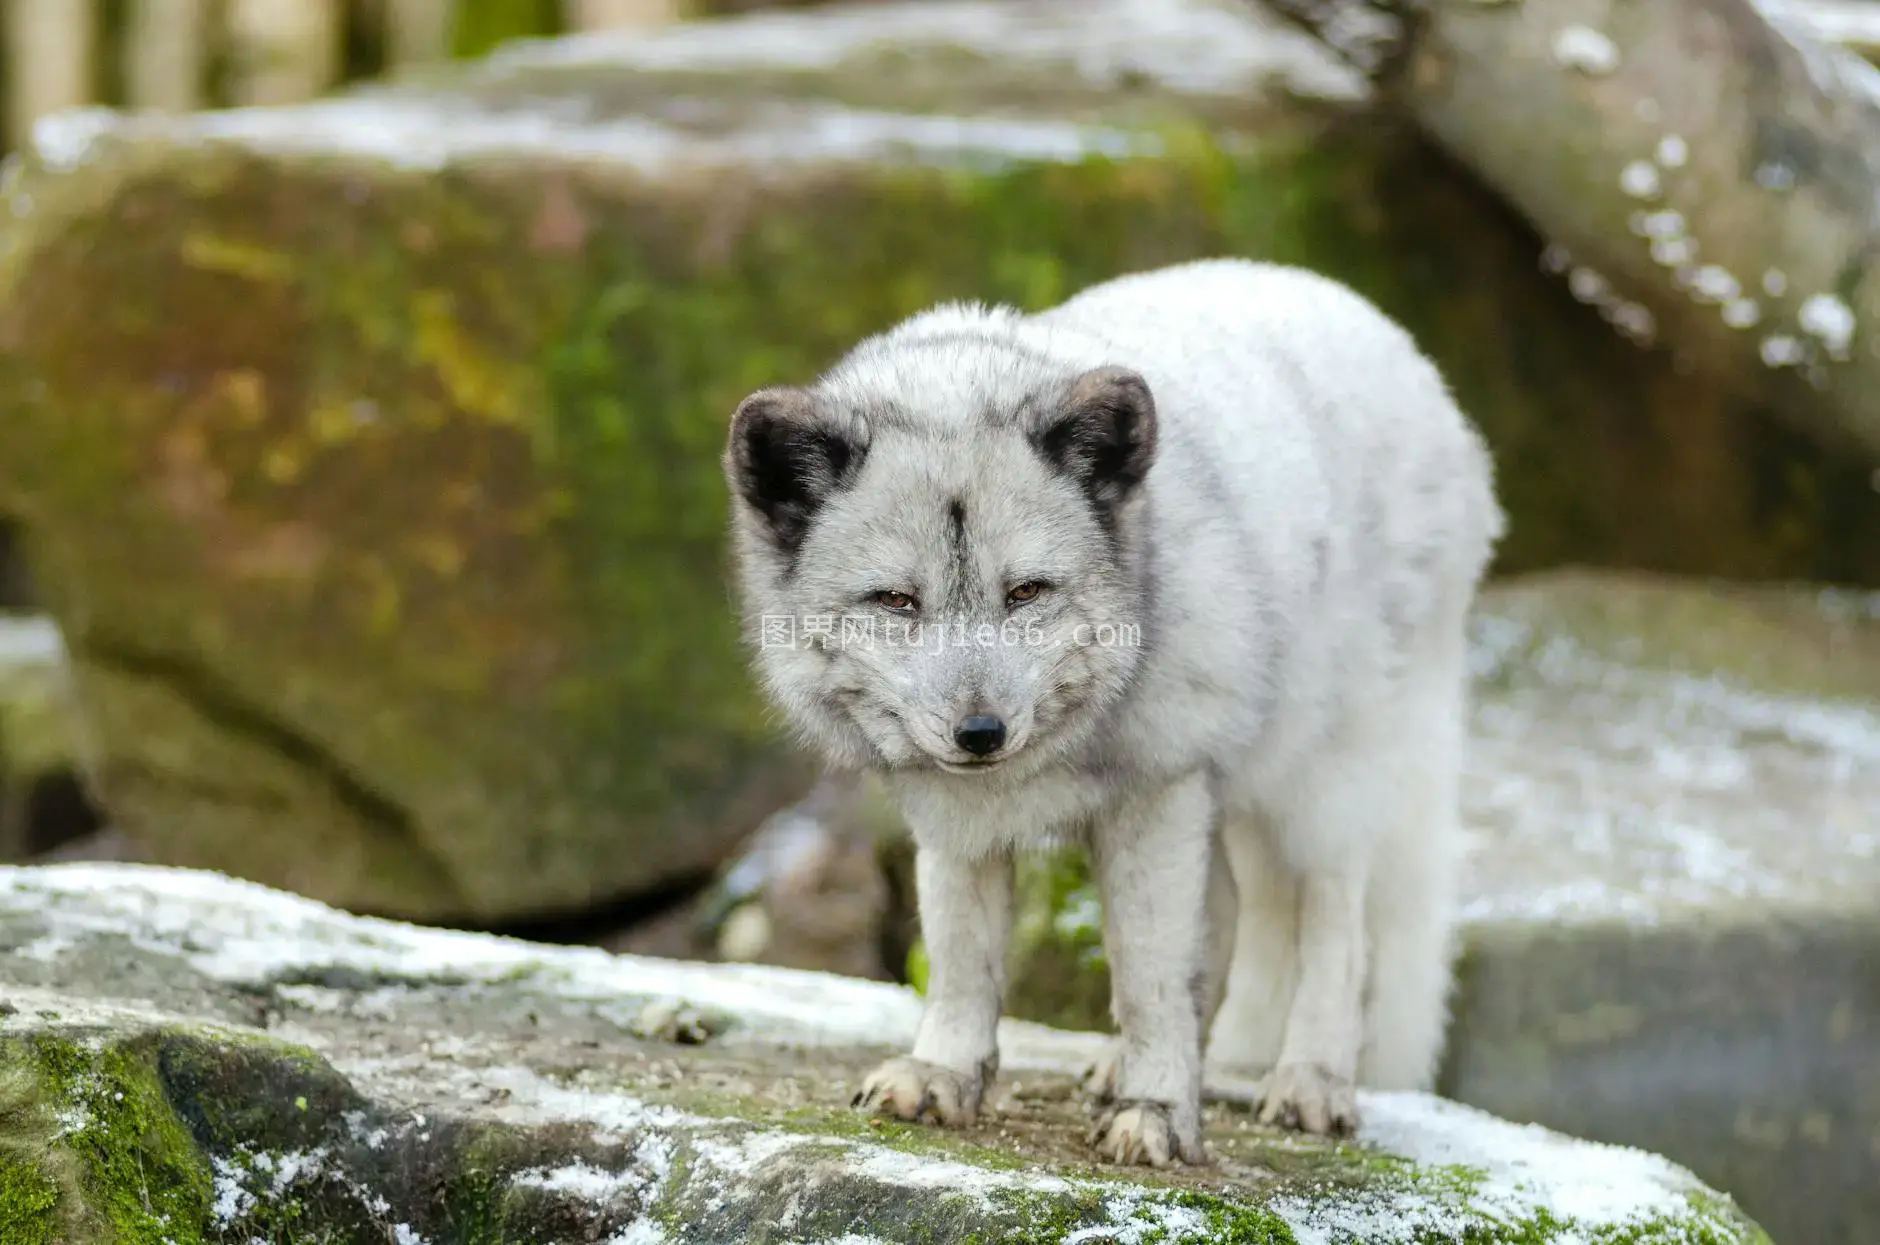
x,y
131,1171
1223,1222
481,25
40,1199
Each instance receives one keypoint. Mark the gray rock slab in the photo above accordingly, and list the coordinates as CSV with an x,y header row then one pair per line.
x,y
1674,899
191,1058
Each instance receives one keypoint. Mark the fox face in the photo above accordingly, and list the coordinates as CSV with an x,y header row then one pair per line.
x,y
937,550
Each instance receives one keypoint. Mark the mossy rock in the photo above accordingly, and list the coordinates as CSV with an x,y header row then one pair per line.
x,y
1669,917
292,1074
366,450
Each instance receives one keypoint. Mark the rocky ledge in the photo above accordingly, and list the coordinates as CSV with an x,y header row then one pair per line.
x,y
185,1058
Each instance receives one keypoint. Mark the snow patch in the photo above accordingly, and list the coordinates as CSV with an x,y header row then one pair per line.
x,y
1666,223
241,932
1783,350
1640,180
427,132
1715,284
582,1180
1197,46
1602,790
1194,46
1588,286
1588,50
1673,252
1526,1167
30,641
1830,320
232,1198
1774,175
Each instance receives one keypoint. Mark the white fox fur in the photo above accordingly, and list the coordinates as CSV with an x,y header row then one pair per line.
x,y
1261,474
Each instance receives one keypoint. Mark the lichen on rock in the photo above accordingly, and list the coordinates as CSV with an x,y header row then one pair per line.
x,y
193,1059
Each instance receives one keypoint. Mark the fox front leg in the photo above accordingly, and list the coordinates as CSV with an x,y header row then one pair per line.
x,y
1152,857
965,919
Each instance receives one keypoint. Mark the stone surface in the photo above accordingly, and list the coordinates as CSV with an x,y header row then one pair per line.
x,y
192,1059
382,513
1675,903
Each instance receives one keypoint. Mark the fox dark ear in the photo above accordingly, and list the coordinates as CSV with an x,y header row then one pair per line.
x,y
1102,435
785,456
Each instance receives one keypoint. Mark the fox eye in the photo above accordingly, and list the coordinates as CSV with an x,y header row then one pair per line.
x,y
899,602
1027,591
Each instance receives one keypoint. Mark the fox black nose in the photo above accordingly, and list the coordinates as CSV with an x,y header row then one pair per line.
x,y
980,735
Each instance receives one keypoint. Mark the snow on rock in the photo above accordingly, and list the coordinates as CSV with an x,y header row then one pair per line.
x,y
517,101
241,933
1195,46
1674,795
501,1070
1612,777
1588,50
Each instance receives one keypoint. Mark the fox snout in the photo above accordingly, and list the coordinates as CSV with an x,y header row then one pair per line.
x,y
980,734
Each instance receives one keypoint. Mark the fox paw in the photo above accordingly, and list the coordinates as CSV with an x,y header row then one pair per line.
x,y
1310,1098
912,1089
1143,1133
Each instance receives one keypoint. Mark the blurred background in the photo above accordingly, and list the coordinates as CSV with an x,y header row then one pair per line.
x,y
364,366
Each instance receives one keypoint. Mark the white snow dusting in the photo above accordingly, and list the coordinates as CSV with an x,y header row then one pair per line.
x,y
1829,319
241,932
1602,789
30,641
1640,179
1783,350
581,1180
1197,46
429,132
1527,1168
1713,283
1588,50
1193,46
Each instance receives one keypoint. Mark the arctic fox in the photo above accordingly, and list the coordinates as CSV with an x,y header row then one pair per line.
x,y
1178,569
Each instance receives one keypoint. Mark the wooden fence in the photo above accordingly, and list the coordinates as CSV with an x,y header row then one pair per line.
x,y
176,55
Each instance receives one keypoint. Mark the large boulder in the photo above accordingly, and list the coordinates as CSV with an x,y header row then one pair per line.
x,y
1674,912
366,449
191,1059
